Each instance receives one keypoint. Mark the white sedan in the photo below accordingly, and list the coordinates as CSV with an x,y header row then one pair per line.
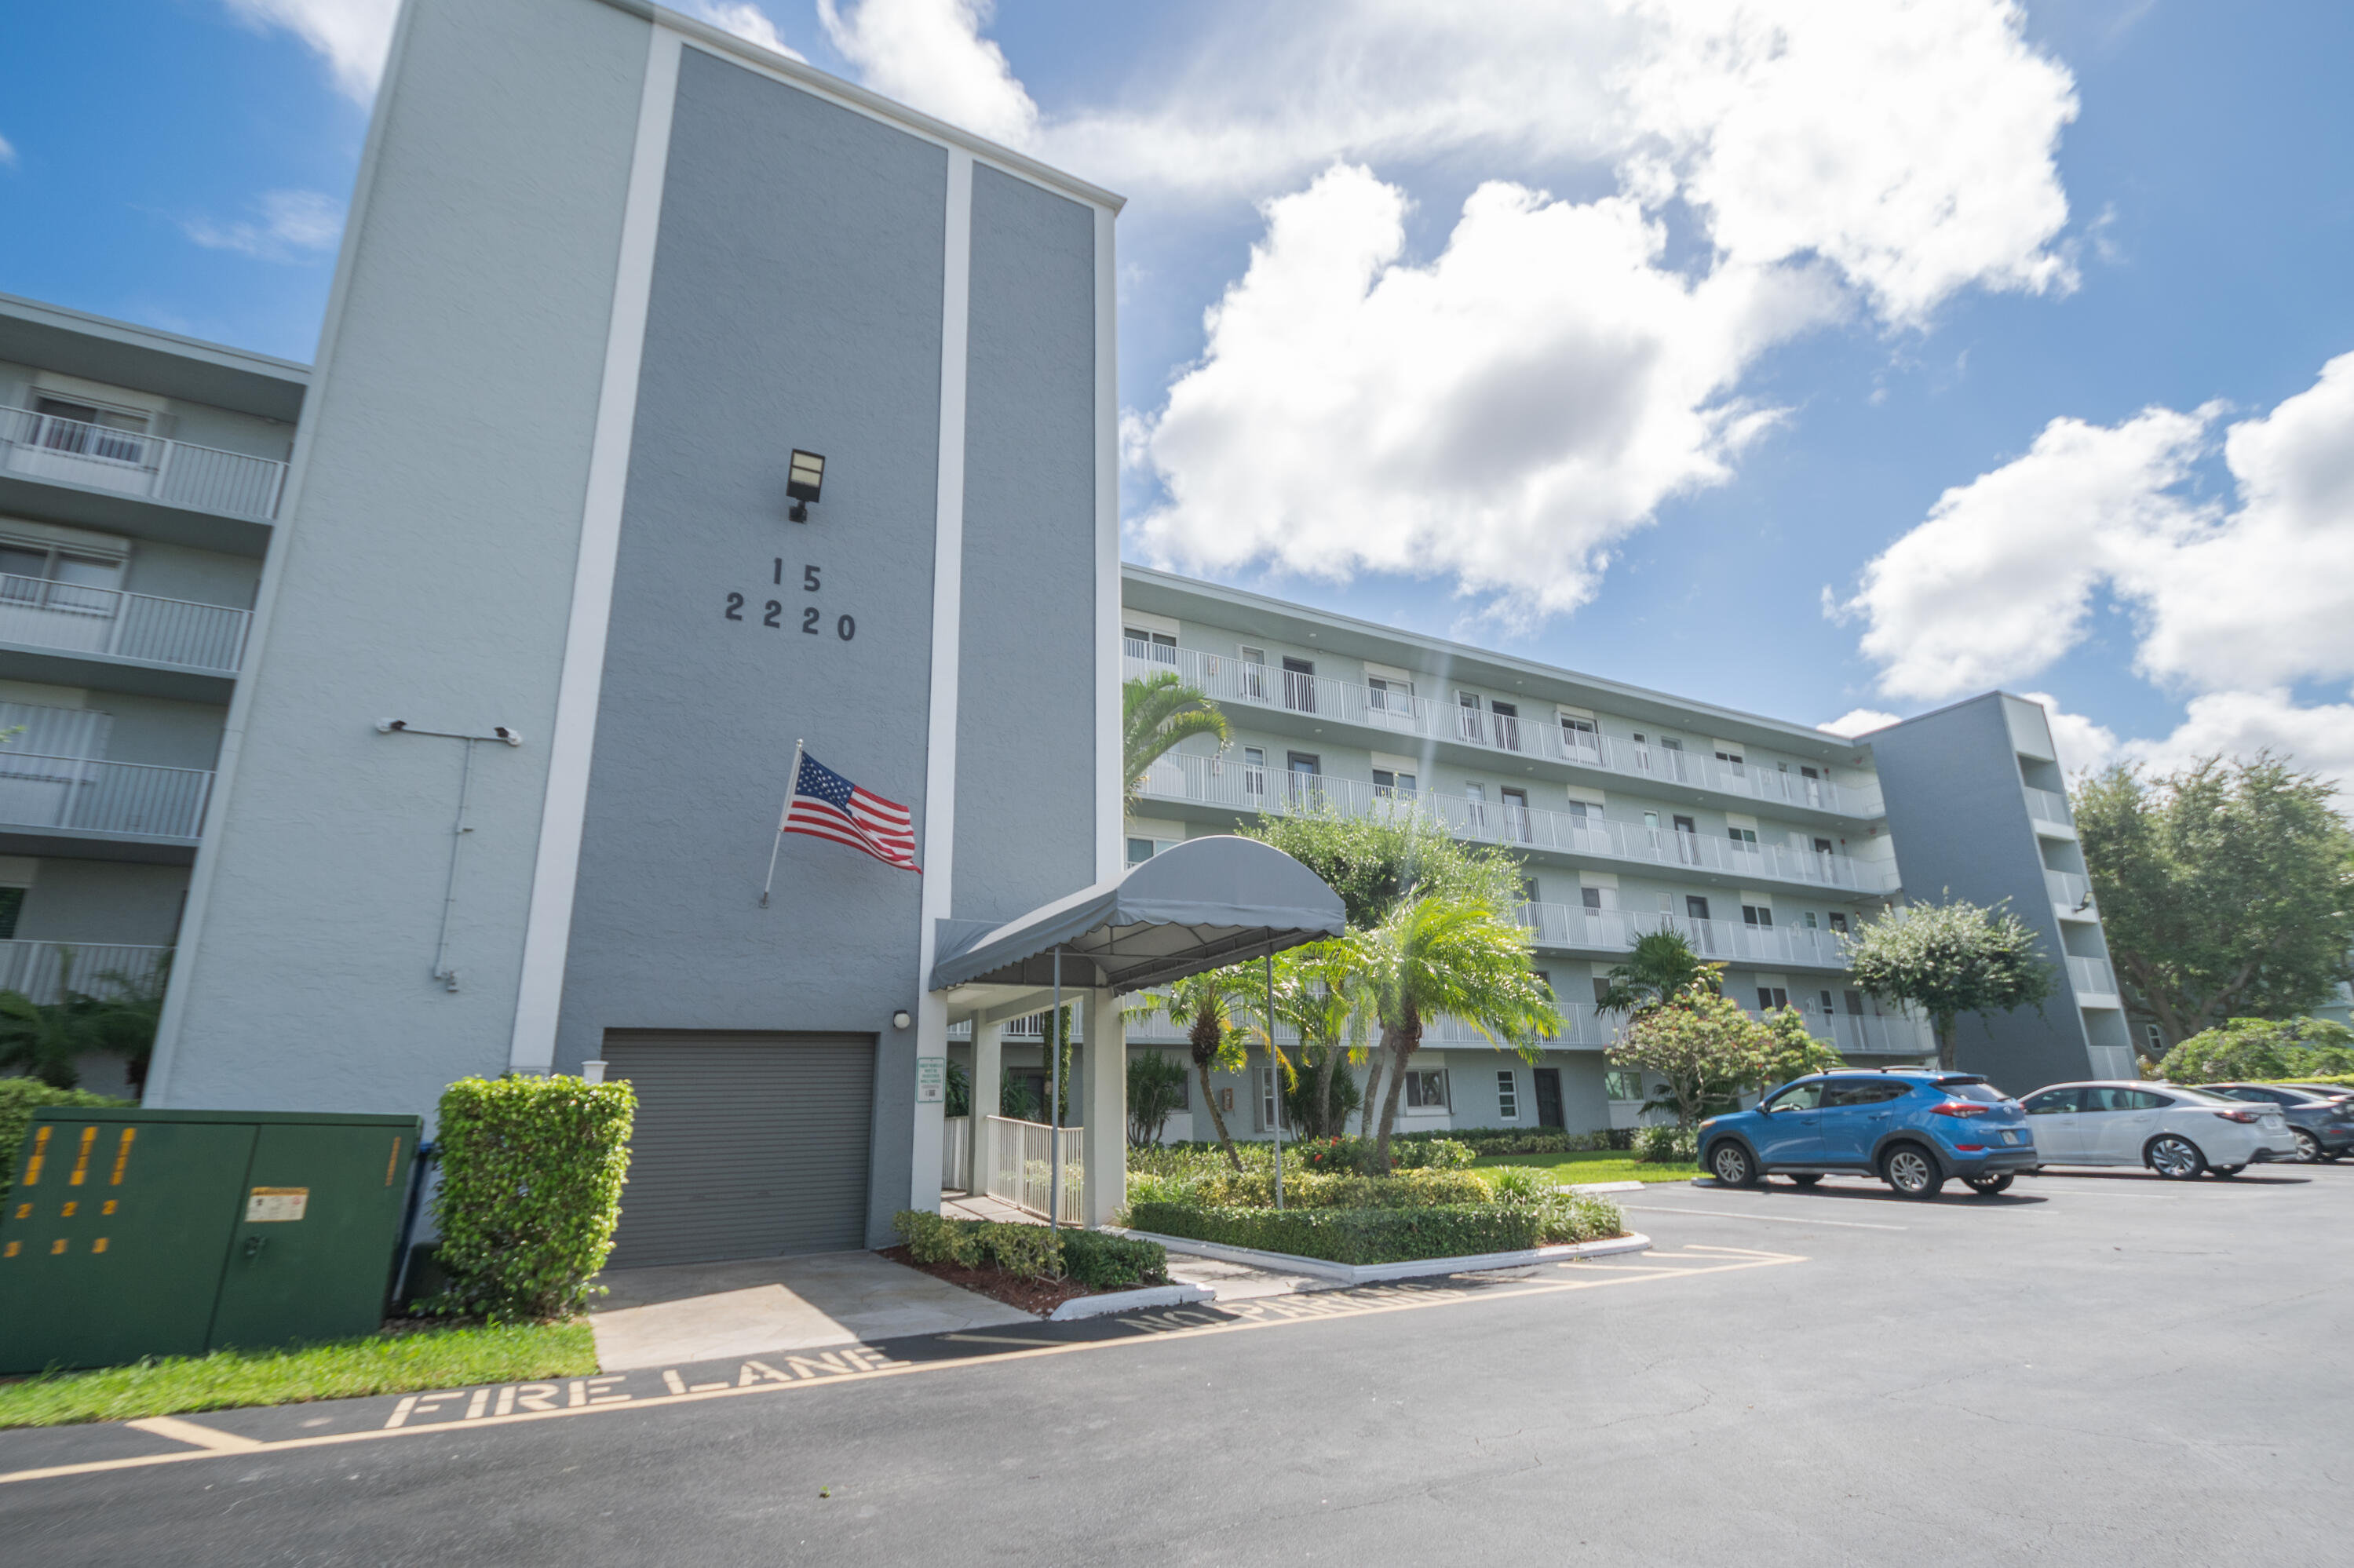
x,y
2176,1132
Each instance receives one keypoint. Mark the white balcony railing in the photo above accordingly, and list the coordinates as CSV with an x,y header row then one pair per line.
x,y
45,971
43,446
1234,682
1587,1027
1615,930
79,620
82,795
2091,977
1017,1168
1223,782
2069,889
2047,805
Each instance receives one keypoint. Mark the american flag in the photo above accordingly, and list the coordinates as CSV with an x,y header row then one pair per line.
x,y
825,805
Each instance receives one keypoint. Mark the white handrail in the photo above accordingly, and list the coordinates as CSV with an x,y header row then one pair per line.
x,y
178,473
1019,1166
1225,680
43,971
43,613
82,794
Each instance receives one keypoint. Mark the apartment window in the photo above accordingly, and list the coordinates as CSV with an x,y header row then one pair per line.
x,y
1745,837
1806,772
1508,1096
1388,696
1306,771
1466,716
1585,812
1695,907
1759,916
1507,725
1669,742
1810,918
1651,821
1770,996
1138,850
2150,1032
1838,922
57,579
1387,783
1855,1004
1592,899
1823,846
1686,825
90,430
1601,991
1528,890
12,904
1266,1106
1579,734
1426,1089
1623,1084
1545,978
1827,1008
1516,813
1157,646
1254,770
1300,686
1254,674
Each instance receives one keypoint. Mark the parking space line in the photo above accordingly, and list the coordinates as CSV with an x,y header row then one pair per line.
x,y
1776,1219
864,1364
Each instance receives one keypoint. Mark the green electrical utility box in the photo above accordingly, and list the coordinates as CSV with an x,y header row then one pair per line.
x,y
152,1232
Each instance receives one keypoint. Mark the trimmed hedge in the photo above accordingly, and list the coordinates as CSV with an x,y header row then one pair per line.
x,y
1385,1235
532,1170
1033,1252
19,1098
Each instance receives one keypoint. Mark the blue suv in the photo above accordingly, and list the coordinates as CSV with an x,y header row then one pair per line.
x,y
1913,1128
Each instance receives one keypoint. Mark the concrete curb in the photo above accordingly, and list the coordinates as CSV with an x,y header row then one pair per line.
x,y
1112,1301
1414,1268
1587,1188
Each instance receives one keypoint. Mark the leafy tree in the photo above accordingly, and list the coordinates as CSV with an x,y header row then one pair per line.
x,y
1014,1099
2262,1048
2227,889
1156,713
959,1095
1456,953
1660,968
1204,1005
1948,959
1790,1051
1373,862
1156,1088
1702,1044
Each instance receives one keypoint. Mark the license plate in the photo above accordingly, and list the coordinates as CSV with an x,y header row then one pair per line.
x,y
2010,1137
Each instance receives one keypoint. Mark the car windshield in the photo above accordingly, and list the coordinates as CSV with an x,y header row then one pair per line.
x,y
1986,1094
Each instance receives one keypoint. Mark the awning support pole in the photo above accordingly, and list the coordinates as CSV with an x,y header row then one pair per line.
x,y
1275,1072
1054,1099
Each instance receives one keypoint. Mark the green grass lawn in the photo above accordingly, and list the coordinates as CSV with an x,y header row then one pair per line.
x,y
340,1369
1597,1165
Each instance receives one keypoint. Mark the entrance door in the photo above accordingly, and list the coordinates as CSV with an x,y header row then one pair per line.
x,y
1516,813
1549,1098
746,1145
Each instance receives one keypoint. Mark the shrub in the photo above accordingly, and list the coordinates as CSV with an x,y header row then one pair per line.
x,y
936,1238
1104,1261
2260,1048
1386,1235
19,1098
1519,1184
532,1171
1668,1146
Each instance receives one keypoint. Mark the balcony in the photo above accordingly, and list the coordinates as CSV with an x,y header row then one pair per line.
x,y
2091,977
1222,781
72,618
1615,930
130,463
43,971
1585,1027
78,795
2048,805
2070,890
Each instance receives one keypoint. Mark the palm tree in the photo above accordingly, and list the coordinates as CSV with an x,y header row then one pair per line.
x,y
1454,953
1317,993
43,1039
1156,712
1204,1006
1661,966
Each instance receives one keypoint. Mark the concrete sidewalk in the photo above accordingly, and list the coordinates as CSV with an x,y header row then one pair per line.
x,y
705,1311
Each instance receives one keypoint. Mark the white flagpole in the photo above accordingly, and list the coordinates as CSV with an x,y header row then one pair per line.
x,y
793,787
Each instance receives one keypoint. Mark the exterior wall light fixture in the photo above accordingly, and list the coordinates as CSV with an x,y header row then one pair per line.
x,y
901,1019
803,480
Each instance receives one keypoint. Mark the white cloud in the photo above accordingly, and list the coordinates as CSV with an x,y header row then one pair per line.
x,y
292,225
7,154
351,35
1860,721
929,55
1500,415
2239,724
745,21
2083,746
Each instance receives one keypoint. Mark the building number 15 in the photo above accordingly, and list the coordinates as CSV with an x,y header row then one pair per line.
x,y
772,612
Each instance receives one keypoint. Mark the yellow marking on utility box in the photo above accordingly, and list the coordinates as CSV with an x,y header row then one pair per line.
x,y
123,1154
41,1151
111,1206
392,1164
276,1206
82,1157
24,1210
58,1247
97,1246
11,1249
68,1211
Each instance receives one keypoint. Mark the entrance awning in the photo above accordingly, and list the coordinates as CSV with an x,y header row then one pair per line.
x,y
1201,905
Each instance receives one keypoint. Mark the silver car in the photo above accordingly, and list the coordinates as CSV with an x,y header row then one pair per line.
x,y
2176,1132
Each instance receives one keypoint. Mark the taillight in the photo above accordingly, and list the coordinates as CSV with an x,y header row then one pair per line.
x,y
2239,1116
1958,1107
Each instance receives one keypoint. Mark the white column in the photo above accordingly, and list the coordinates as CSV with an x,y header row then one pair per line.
x,y
988,1062
1106,1106
931,1031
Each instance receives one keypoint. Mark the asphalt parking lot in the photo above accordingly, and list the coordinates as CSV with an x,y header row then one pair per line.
x,y
2094,1368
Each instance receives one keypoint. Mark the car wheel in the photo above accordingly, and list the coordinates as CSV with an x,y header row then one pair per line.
x,y
1805,1181
2176,1159
1732,1164
2309,1148
1912,1171
1987,1186
2225,1170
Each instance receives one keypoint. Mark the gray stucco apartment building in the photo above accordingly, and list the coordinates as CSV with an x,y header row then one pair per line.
x,y
430,709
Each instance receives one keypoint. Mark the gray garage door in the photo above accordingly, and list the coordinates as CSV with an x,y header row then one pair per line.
x,y
745,1145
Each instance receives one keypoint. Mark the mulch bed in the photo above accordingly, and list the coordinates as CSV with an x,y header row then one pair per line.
x,y
1039,1296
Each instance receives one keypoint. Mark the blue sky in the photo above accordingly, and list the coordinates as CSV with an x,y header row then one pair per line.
x,y
2013,329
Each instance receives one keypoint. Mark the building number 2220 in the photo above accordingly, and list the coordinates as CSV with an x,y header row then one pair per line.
x,y
772,612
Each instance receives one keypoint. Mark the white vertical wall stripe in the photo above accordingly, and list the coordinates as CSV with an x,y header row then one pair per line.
x,y
1109,856
947,654
548,932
